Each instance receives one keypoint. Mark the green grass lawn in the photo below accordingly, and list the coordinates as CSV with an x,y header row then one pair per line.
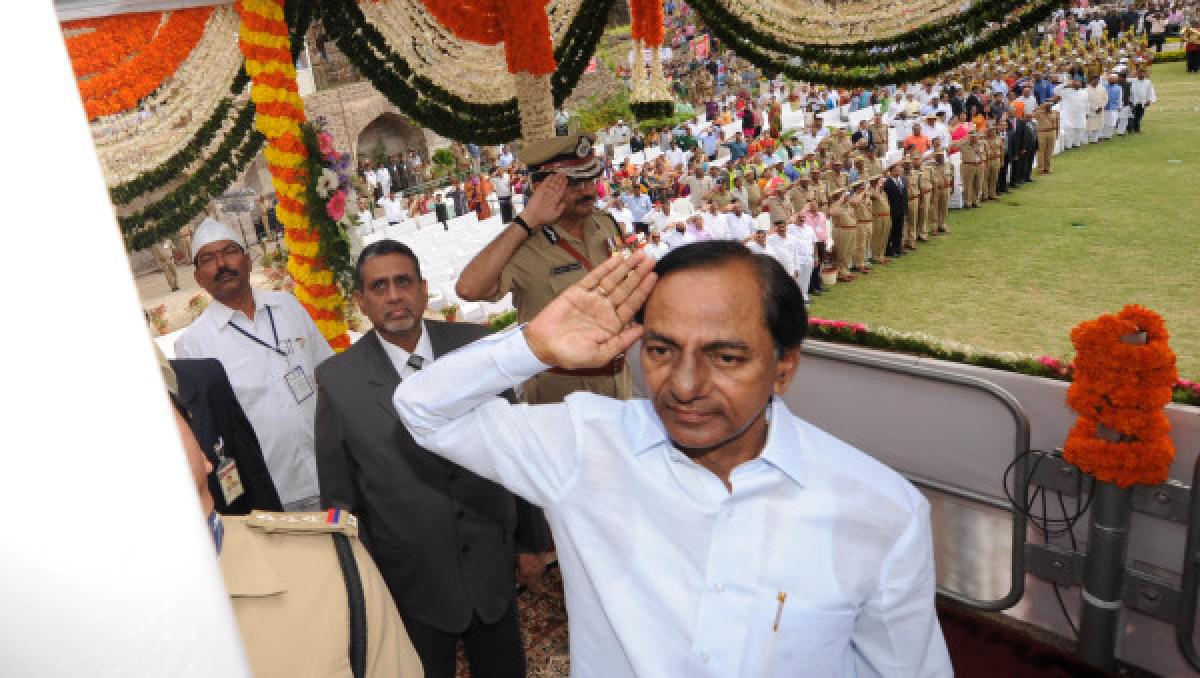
x,y
1116,223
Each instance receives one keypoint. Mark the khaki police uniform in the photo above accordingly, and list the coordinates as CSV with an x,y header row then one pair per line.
x,y
970,170
539,272
289,597
845,235
882,216
542,268
923,218
995,165
1047,132
946,172
864,214
914,206
166,263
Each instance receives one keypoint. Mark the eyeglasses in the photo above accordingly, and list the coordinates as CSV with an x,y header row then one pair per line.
x,y
206,259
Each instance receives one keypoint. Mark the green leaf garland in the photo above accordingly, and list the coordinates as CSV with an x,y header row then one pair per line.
x,y
945,57
437,108
164,217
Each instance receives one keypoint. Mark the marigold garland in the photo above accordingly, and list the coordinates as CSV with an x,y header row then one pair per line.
x,y
646,21
1124,387
133,76
521,25
267,48
95,45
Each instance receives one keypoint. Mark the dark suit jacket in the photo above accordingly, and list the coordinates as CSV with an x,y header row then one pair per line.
x,y
896,190
215,413
444,538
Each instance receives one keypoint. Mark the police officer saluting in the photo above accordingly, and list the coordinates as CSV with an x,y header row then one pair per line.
x,y
548,247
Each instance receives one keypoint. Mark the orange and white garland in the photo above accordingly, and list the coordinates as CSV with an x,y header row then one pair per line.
x,y
121,60
648,83
133,142
280,112
1124,375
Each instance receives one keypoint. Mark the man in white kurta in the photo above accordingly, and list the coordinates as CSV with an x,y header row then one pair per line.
x,y
269,355
1097,97
707,531
1073,108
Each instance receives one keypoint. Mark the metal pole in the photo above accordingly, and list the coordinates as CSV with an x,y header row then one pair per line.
x,y
1104,574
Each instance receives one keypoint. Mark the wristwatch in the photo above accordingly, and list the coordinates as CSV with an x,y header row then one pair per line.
x,y
518,220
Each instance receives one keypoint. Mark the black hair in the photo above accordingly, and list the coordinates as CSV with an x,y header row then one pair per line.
x,y
782,300
380,248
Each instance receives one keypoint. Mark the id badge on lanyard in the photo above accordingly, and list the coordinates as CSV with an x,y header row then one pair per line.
x,y
227,474
295,378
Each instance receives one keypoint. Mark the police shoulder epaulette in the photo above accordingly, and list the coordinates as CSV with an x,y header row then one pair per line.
x,y
331,520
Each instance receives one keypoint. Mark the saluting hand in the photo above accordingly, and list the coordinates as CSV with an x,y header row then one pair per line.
x,y
588,324
547,203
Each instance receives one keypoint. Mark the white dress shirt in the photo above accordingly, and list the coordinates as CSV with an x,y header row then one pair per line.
x,y
624,217
715,223
399,356
656,219
739,227
502,186
777,252
657,250
257,373
667,573
674,238
393,210
1141,91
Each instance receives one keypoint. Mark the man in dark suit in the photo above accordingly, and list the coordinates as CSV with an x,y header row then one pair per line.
x,y
446,540
896,188
226,436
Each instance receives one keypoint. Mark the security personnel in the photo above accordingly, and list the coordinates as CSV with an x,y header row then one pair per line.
x,y
551,245
164,256
307,597
913,172
845,233
864,214
925,172
1047,131
968,147
881,214
995,162
944,185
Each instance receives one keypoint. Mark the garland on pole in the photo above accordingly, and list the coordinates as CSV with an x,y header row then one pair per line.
x,y
326,192
651,96
736,34
440,109
1125,372
266,44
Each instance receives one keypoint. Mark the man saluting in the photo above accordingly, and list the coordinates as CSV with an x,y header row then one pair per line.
x,y
706,531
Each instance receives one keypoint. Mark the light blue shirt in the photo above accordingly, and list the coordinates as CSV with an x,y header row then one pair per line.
x,y
638,205
669,574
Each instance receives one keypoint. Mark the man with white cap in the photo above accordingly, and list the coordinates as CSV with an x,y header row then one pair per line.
x,y
270,347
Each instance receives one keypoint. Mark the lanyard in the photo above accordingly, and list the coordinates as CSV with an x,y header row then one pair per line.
x,y
258,341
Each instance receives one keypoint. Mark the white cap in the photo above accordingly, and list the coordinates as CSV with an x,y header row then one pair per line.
x,y
210,231
760,227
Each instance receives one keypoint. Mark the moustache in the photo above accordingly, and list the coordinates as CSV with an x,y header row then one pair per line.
x,y
225,273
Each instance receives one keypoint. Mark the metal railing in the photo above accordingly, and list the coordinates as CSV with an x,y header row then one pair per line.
x,y
1172,501
1020,457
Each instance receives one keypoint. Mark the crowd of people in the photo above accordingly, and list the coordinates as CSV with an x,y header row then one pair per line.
x,y
396,427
